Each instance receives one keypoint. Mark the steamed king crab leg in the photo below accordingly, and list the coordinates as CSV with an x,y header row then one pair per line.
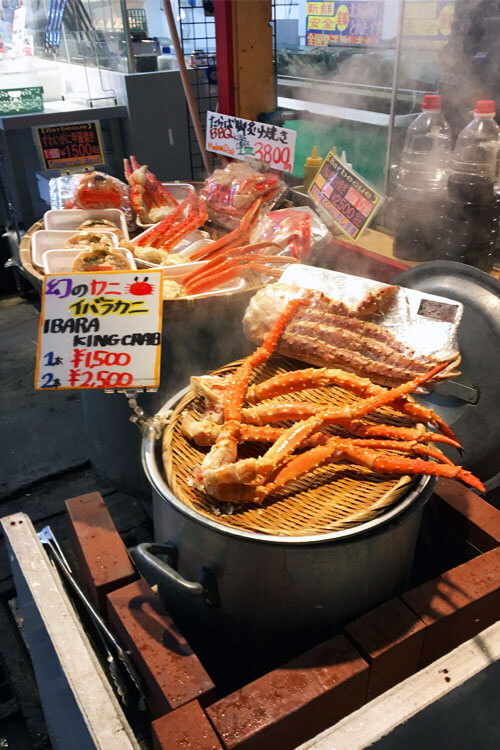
x,y
337,449
203,432
212,387
250,470
312,377
225,448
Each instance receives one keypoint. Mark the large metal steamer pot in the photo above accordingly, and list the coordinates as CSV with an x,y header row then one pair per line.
x,y
224,581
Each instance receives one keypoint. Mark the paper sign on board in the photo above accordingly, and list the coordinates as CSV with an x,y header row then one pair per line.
x,y
246,139
100,330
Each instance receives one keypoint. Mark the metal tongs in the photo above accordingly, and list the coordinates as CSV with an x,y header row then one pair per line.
x,y
109,642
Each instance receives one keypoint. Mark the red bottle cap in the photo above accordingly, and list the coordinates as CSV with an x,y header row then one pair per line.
x,y
485,107
431,101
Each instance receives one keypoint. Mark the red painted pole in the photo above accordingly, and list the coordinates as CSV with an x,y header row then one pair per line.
x,y
225,57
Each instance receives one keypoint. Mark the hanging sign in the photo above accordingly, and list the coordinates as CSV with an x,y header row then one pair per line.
x,y
427,25
100,330
344,22
348,199
66,146
246,139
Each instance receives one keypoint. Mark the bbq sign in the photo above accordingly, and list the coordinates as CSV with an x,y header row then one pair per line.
x,y
67,146
100,330
246,139
350,201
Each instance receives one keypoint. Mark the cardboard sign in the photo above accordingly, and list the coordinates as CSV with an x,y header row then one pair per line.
x,y
349,22
246,139
66,146
100,330
351,201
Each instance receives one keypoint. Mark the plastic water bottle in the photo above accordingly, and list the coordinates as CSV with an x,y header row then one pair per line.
x,y
421,183
473,208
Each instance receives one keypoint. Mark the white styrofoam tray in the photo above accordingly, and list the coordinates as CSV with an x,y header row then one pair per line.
x,y
71,218
54,239
61,260
188,244
172,272
230,286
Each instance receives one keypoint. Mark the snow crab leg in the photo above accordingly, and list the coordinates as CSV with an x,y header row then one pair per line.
x,y
234,238
151,236
233,267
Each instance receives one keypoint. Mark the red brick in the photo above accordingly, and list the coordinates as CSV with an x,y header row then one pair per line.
x,y
295,702
187,728
172,672
458,604
102,557
390,638
470,515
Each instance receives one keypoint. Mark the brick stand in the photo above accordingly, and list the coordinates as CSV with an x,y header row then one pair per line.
x,y
295,702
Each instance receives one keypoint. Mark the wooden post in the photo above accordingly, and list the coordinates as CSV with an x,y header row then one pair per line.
x,y
252,58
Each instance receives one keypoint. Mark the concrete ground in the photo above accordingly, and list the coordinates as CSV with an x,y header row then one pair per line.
x,y
44,461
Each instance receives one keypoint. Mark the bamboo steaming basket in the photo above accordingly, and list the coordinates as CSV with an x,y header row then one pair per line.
x,y
331,498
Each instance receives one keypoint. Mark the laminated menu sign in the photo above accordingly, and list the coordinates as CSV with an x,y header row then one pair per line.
x,y
100,330
67,146
350,200
246,139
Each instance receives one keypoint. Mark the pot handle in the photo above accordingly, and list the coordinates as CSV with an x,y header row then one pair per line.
x,y
145,555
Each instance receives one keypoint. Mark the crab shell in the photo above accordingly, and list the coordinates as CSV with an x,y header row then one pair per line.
x,y
98,190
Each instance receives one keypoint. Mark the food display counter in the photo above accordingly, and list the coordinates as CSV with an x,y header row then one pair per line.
x,y
303,397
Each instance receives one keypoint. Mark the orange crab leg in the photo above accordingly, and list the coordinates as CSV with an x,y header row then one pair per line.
x,y
225,448
247,470
232,267
336,449
237,235
216,262
313,377
204,432
386,464
151,235
235,393
197,216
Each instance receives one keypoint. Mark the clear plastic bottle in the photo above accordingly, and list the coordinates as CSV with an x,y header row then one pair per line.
x,y
421,183
473,206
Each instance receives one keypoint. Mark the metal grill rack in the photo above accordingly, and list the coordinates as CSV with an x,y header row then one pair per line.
x,y
197,31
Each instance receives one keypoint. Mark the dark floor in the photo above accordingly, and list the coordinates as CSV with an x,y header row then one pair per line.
x,y
43,462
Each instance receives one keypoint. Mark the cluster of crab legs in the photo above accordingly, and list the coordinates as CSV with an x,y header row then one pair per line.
x,y
146,191
231,256
227,423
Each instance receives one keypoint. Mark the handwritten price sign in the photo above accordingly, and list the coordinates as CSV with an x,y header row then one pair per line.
x,y
100,330
246,139
351,201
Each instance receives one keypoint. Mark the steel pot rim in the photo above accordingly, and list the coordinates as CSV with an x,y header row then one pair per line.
x,y
158,483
